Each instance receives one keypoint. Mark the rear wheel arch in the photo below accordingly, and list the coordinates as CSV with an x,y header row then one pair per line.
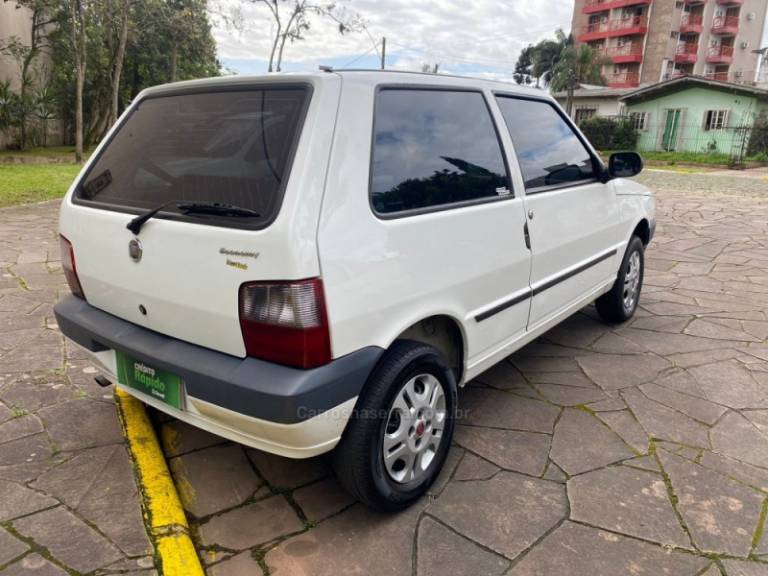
x,y
444,333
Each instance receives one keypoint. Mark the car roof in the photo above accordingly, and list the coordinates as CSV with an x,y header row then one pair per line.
x,y
357,76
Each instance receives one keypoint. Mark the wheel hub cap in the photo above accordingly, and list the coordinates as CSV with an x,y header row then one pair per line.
x,y
414,429
631,281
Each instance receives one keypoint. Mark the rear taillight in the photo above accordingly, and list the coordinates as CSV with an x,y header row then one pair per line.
x,y
285,322
70,270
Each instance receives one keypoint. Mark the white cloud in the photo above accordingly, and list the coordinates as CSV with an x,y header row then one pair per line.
x,y
483,36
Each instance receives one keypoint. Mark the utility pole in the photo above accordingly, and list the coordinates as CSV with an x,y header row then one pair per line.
x,y
383,51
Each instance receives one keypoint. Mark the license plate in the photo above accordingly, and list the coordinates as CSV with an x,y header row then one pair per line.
x,y
159,384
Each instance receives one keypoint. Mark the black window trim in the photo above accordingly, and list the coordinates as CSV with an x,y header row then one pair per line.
x,y
597,163
438,207
212,220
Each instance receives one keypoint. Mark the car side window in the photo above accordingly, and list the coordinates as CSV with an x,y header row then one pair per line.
x,y
548,150
433,149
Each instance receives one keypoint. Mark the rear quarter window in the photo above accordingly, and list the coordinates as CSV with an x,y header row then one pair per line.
x,y
434,149
232,147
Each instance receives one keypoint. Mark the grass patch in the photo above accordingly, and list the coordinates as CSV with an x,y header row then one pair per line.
x,y
23,183
48,152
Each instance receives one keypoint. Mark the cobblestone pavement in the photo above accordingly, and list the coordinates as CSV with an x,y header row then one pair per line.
x,y
68,500
637,449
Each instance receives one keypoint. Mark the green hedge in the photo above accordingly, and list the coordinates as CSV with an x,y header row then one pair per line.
x,y
607,133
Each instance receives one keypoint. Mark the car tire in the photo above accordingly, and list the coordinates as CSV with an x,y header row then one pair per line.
x,y
620,303
415,436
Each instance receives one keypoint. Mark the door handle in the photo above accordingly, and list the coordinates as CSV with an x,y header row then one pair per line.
x,y
527,236
531,214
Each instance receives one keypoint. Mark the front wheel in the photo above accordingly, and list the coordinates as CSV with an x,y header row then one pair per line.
x,y
620,303
397,440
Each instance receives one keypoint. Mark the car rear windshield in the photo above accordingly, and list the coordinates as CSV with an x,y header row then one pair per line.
x,y
229,147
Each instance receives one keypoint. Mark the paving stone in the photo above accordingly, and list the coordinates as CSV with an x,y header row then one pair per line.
x,y
266,520
503,376
322,499
65,482
346,536
10,547
531,508
40,390
529,365
661,422
647,463
708,329
613,343
690,359
744,473
581,443
288,473
179,438
214,479
496,409
666,344
243,564
19,427
452,460
473,467
759,419
33,565
69,539
17,500
629,501
555,473
721,514
577,379
624,424
576,549
713,570
570,395
744,568
439,549
82,423
730,384
609,405
615,371
698,409
736,437
524,452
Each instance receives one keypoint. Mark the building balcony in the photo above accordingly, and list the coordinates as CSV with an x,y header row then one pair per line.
x,y
623,79
615,27
691,23
720,76
686,53
625,54
726,25
730,2
592,6
720,54
694,2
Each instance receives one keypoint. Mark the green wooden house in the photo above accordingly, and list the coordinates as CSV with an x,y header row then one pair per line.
x,y
695,114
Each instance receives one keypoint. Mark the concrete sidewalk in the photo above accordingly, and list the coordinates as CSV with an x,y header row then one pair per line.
x,y
68,500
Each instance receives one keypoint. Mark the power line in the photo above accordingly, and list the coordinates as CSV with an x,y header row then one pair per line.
x,y
364,54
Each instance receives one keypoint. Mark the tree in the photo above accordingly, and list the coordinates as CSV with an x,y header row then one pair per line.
x,y
292,23
25,55
120,58
524,65
577,65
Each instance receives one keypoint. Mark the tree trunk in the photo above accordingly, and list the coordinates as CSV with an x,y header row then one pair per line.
x,y
278,34
79,112
119,59
174,60
569,101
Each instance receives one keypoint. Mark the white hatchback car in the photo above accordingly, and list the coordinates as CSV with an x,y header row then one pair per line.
x,y
315,262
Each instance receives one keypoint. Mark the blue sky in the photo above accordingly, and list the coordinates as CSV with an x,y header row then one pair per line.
x,y
480,38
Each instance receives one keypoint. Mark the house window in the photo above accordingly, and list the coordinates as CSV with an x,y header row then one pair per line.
x,y
715,119
584,113
639,120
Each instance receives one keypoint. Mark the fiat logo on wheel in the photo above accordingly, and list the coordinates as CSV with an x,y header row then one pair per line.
x,y
135,250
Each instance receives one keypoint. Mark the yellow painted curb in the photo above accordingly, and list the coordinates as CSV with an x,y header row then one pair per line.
x,y
160,502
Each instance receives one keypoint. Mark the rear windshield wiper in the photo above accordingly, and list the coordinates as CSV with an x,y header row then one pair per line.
x,y
215,208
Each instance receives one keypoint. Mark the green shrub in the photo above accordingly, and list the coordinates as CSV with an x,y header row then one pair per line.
x,y
758,139
607,133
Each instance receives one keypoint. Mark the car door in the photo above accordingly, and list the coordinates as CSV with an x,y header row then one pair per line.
x,y
443,232
572,216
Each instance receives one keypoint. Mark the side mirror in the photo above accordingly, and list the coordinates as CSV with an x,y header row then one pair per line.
x,y
625,164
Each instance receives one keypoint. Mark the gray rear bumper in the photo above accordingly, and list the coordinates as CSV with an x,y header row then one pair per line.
x,y
249,386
